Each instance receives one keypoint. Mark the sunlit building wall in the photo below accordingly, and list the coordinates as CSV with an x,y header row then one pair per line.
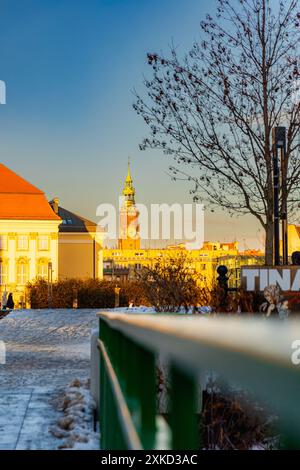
x,y
28,236
128,259
80,243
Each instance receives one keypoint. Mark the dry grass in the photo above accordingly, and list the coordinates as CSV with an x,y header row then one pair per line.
x,y
233,420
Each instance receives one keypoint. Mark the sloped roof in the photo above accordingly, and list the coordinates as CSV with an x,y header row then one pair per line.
x,y
74,223
19,199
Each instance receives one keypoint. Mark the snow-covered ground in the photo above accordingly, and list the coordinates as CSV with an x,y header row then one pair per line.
x,y
75,428
45,351
46,347
145,310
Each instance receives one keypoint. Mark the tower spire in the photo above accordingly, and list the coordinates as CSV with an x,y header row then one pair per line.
x,y
129,224
128,190
128,177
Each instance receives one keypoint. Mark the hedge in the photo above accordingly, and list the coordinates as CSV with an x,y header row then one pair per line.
x,y
90,293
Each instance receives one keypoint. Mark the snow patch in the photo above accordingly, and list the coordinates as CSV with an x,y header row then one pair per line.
x,y
75,427
143,309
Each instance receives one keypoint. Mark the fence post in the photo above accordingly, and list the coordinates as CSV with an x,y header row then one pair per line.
x,y
184,422
102,387
222,280
148,391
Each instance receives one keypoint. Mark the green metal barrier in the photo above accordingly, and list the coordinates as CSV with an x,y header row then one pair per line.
x,y
255,354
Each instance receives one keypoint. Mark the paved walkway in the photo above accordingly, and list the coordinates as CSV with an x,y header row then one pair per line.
x,y
25,418
46,350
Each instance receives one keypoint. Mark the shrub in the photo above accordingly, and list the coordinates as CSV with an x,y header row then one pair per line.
x,y
62,294
95,293
133,292
90,293
170,285
232,302
38,294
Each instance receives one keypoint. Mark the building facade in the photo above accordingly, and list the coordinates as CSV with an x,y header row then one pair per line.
x,y
28,235
124,264
41,240
293,239
129,217
128,258
80,243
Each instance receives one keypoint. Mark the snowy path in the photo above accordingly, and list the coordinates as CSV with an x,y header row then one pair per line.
x,y
46,350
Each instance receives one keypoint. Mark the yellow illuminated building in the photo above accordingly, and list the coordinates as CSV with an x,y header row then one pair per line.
x,y
126,260
39,240
28,235
80,243
42,240
129,226
293,238
124,264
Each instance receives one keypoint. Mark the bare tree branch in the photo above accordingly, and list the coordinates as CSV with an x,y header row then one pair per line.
x,y
213,109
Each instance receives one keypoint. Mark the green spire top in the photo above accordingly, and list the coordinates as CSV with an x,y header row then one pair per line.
x,y
128,190
128,177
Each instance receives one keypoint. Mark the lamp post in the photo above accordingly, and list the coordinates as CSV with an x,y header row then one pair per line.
x,y
50,272
279,143
117,296
284,223
276,197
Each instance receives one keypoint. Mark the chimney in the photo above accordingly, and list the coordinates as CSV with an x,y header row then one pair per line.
x,y
54,204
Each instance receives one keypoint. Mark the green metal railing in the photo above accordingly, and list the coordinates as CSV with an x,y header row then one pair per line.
x,y
255,354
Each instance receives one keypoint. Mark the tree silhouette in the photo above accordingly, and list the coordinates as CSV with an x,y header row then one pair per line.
x,y
213,109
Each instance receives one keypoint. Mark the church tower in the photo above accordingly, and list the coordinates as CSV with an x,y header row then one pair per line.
x,y
129,223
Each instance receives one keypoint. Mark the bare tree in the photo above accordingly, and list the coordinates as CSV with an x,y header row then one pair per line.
x,y
171,283
213,109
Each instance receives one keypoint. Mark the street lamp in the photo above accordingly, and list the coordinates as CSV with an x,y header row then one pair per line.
x,y
279,143
50,276
117,296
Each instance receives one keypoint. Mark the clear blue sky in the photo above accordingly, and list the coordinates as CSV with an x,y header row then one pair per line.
x,y
68,125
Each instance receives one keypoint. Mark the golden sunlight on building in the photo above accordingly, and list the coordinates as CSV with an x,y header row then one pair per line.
x,y
79,245
39,240
129,225
42,240
128,259
125,264
293,238
28,235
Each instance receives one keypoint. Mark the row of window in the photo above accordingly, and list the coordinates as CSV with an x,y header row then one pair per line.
x,y
122,266
23,272
23,242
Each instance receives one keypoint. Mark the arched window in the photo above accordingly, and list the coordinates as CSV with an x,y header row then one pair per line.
x,y
22,272
3,273
43,269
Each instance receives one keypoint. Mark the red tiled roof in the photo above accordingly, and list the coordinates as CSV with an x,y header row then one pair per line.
x,y
21,200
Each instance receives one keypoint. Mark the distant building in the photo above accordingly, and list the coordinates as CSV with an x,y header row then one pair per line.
x,y
124,264
129,258
42,240
79,245
28,235
39,240
129,215
293,238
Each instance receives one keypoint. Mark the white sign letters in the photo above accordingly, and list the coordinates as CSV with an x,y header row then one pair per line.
x,y
286,278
